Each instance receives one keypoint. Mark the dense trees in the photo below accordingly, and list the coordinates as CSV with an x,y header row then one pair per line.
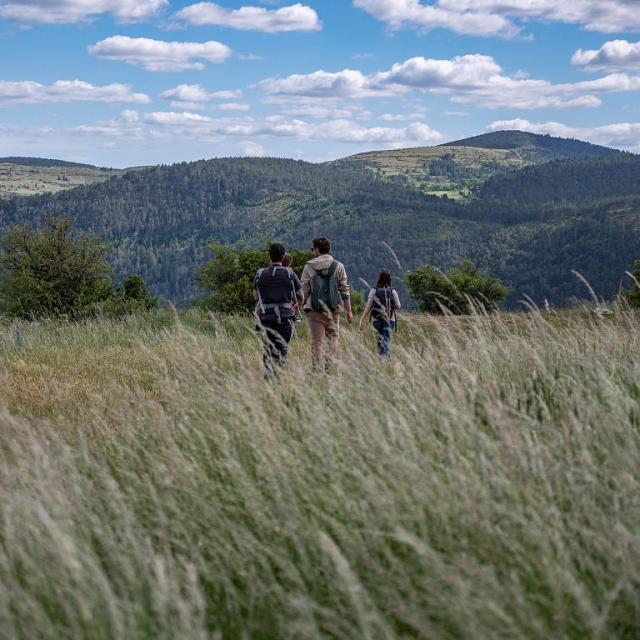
x,y
50,273
461,290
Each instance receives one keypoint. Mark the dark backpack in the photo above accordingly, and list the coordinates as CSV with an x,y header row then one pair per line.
x,y
324,290
383,304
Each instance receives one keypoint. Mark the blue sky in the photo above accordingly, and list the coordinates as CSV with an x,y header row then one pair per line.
x,y
129,82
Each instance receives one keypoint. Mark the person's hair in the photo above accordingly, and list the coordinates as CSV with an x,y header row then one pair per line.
x,y
384,279
276,252
322,244
287,259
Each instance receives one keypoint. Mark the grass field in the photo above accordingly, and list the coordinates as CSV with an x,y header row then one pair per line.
x,y
483,484
24,180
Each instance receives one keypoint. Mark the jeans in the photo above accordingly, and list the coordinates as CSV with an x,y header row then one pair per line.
x,y
275,340
383,335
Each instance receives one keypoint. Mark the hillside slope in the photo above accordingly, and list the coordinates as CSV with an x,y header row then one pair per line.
x,y
31,176
160,220
456,168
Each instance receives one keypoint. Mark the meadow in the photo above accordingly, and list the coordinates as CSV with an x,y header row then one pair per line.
x,y
483,484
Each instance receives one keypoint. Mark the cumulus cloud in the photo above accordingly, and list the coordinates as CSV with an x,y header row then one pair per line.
x,y
471,79
158,55
252,149
617,55
296,17
172,124
70,11
503,17
28,92
193,96
623,135
348,83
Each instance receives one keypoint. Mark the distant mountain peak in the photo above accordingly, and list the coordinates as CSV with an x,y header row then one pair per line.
x,y
550,146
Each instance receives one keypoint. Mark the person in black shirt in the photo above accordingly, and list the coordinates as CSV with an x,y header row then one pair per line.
x,y
277,289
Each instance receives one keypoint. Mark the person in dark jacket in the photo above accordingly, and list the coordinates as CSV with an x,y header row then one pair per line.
x,y
382,304
277,289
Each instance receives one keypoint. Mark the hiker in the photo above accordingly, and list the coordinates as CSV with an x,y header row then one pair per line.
x,y
326,292
382,304
277,289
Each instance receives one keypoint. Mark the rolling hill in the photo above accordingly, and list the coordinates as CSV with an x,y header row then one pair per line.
x,y
31,176
159,220
456,168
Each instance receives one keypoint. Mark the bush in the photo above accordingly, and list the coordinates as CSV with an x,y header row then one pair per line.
x,y
230,273
459,291
48,273
632,296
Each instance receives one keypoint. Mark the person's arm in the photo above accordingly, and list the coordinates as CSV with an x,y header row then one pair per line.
x,y
306,283
367,309
345,291
396,300
297,285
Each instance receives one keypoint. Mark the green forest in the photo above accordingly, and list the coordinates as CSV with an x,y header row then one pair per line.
x,y
530,227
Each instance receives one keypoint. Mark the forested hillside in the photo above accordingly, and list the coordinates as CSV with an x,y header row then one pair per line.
x,y
456,169
160,220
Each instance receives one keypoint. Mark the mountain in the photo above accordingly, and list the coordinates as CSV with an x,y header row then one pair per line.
x,y
30,176
535,147
520,226
455,169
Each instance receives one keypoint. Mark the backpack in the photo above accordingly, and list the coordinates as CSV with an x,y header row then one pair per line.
x,y
383,305
324,290
276,307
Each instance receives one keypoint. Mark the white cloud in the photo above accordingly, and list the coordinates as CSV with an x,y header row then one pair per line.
x,y
325,108
193,96
158,55
617,55
252,149
624,135
27,92
471,79
503,17
296,17
70,11
348,83
184,125
234,106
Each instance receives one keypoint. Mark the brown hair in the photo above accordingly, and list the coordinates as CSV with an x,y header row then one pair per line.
x,y
286,260
322,244
384,279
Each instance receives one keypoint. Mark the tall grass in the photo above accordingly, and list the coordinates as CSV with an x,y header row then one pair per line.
x,y
482,484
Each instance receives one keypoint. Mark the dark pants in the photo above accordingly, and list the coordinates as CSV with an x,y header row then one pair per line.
x,y
383,335
275,339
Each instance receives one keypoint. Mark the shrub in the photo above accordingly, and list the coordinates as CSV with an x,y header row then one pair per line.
x,y
632,296
49,273
459,290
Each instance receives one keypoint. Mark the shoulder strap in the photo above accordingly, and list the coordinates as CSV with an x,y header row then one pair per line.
x,y
333,267
258,276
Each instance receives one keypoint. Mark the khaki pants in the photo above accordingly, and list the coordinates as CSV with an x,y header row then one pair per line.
x,y
321,326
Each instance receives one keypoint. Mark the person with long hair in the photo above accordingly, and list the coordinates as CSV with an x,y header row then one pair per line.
x,y
383,303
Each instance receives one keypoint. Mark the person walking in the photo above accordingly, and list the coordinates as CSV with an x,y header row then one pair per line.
x,y
277,289
382,304
325,288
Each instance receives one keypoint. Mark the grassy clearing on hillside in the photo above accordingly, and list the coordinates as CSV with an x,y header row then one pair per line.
x,y
24,180
483,484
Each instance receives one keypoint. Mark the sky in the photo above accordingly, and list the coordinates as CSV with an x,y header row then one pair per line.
x,y
134,82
